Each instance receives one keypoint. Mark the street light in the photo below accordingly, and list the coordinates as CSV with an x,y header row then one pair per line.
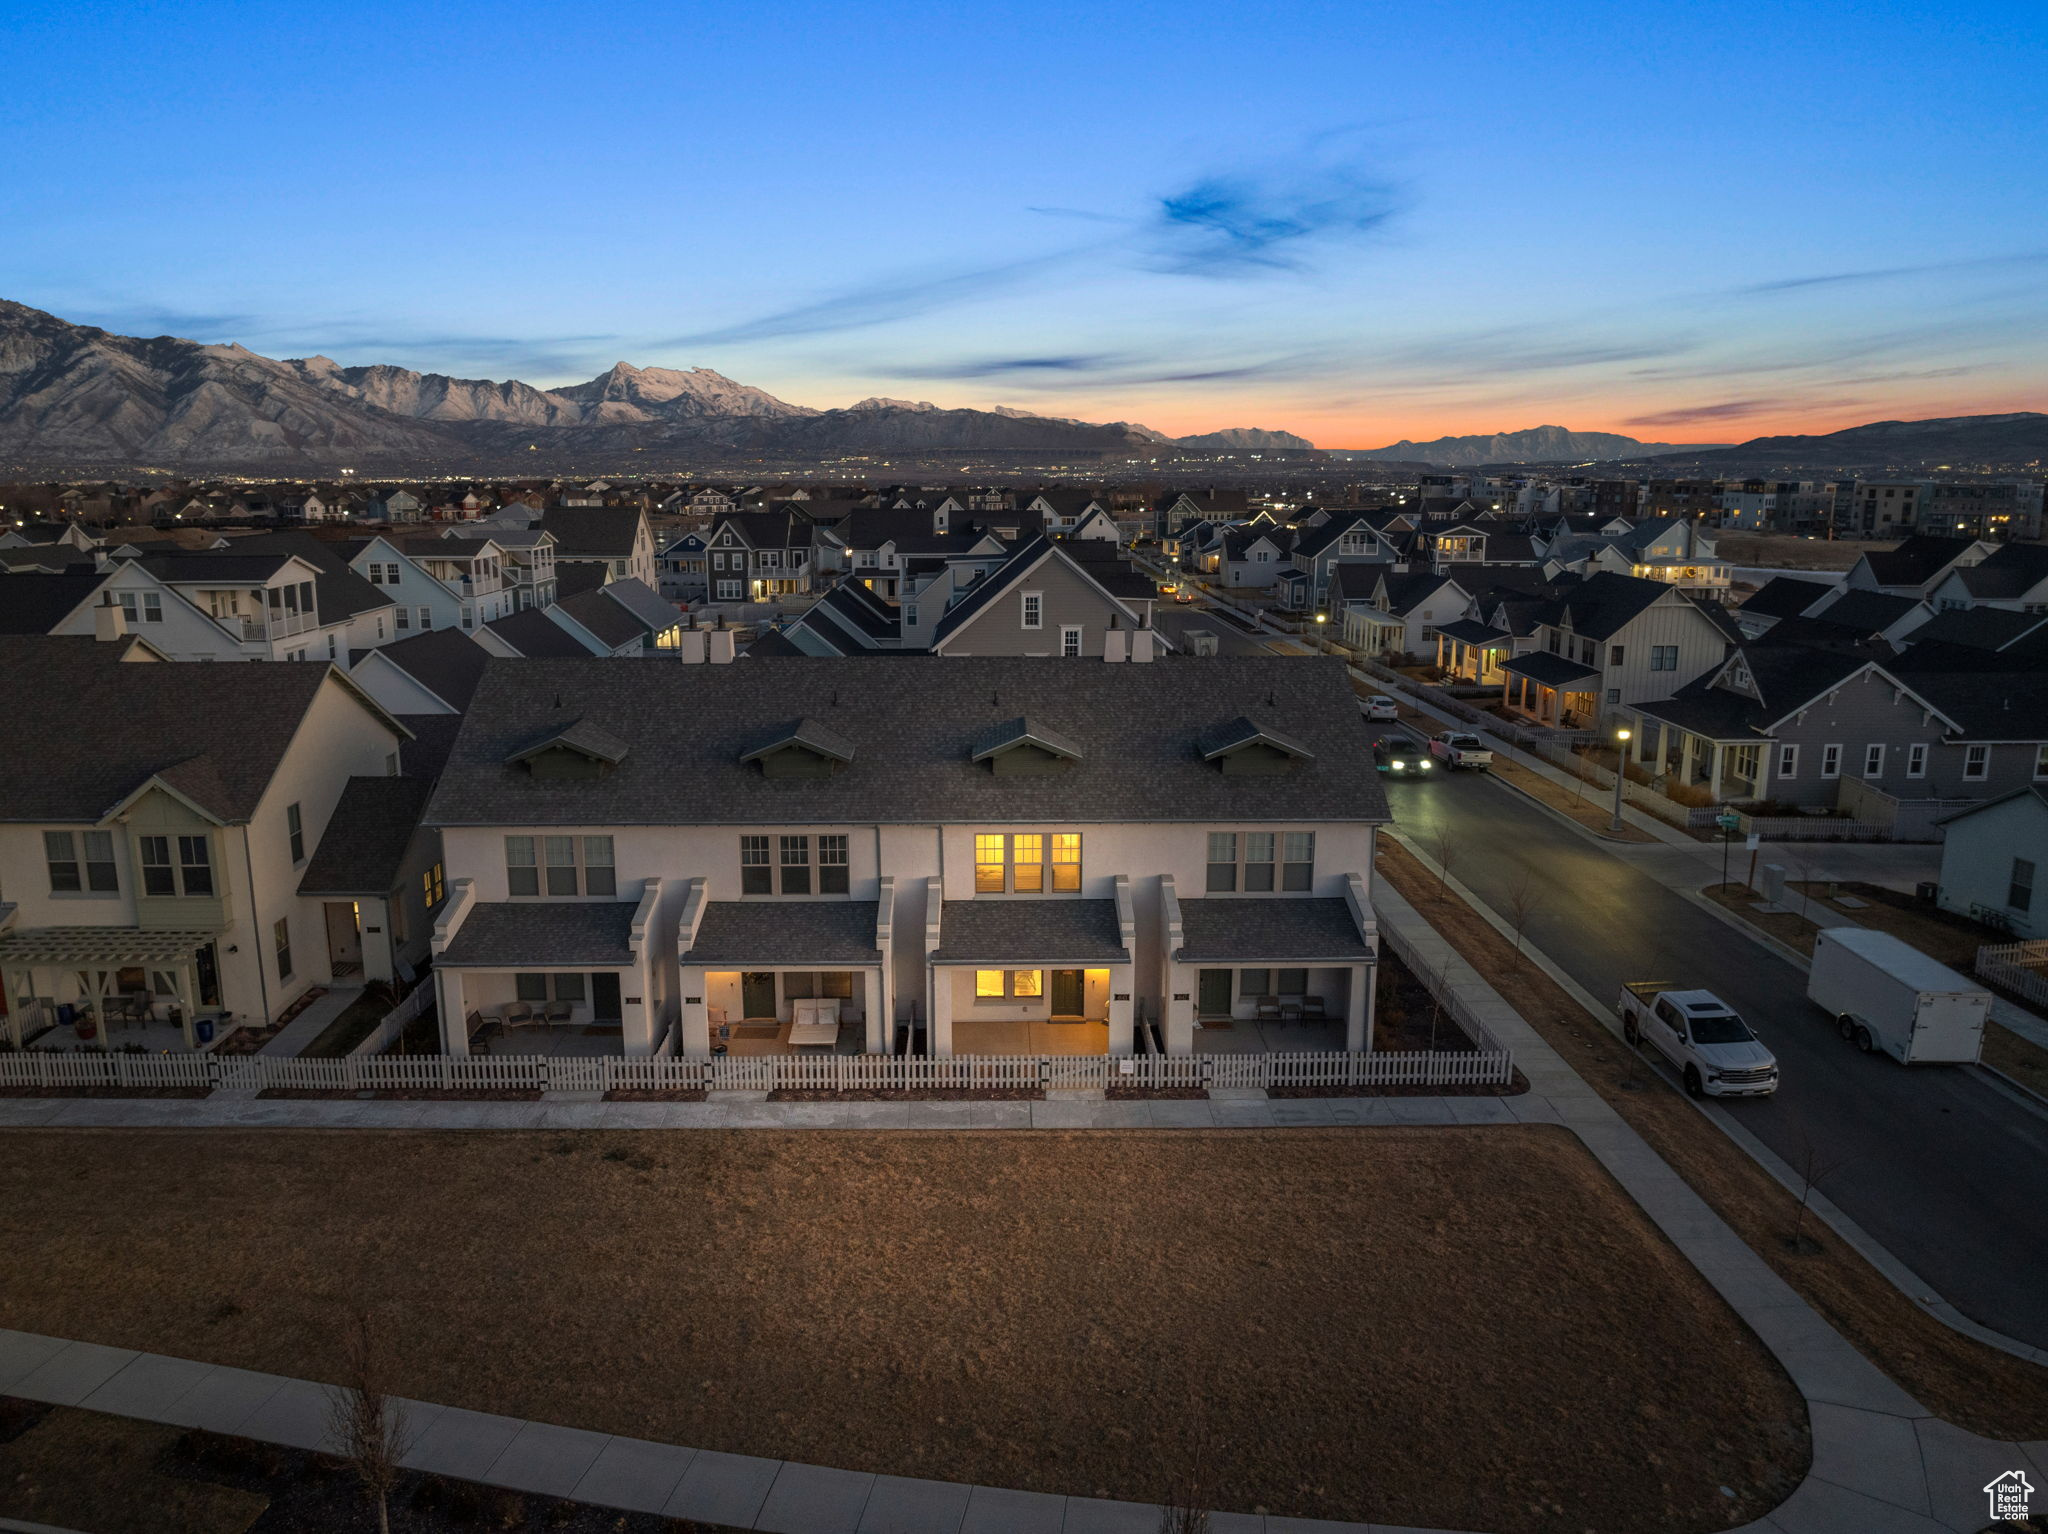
x,y
1620,774
1322,634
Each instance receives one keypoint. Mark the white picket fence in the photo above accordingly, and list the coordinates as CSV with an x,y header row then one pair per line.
x,y
381,1037
756,1073
2021,968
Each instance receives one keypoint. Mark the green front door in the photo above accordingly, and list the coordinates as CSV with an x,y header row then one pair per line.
x,y
1212,993
1066,993
757,994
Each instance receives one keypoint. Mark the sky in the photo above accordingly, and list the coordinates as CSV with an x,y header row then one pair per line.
x,y
1362,222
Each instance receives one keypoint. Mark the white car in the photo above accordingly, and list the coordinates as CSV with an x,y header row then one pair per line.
x,y
1381,707
1713,1048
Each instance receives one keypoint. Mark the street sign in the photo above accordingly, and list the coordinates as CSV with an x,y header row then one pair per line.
x,y
1755,841
1727,820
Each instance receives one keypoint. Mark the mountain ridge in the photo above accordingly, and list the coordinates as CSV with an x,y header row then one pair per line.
x,y
79,394
1531,444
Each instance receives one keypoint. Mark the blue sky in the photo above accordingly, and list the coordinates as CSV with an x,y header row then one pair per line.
x,y
1360,221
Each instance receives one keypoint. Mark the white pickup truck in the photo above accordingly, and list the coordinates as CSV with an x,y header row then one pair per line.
x,y
1460,748
1716,1054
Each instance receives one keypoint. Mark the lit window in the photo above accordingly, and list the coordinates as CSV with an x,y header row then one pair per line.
x,y
1027,982
1027,864
1016,864
988,865
988,983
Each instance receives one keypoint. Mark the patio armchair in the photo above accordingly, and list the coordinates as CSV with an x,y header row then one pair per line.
x,y
558,1012
520,1015
1268,1010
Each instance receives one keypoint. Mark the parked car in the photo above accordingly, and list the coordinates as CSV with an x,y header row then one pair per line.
x,y
1458,749
1886,994
1381,707
1713,1048
1399,758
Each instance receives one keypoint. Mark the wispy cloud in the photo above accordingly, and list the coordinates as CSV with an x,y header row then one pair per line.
x,y
1889,273
1005,367
1737,409
205,326
1238,224
1118,369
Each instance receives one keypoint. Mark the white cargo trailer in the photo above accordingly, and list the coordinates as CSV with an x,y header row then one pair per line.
x,y
1886,994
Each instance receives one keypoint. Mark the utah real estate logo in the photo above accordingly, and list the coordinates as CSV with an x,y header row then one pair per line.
x,y
2010,1494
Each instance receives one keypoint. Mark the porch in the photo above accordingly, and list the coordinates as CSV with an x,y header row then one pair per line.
x,y
1473,652
785,976
1251,975
1551,690
1687,742
110,986
511,976
1032,977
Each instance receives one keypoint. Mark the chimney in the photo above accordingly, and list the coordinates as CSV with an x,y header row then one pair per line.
x,y
1143,644
721,646
693,645
1116,644
110,620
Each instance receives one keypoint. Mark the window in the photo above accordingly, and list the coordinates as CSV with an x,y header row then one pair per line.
x,y
728,591
2041,761
1070,639
910,616
1831,761
1252,983
1663,657
1008,984
158,877
432,888
794,859
1261,862
832,865
1976,763
522,875
573,866
1873,761
1614,695
1916,760
468,618
282,937
426,619
295,832
195,865
1034,610
1027,863
1614,653
71,874
404,615
536,987
2020,896
1788,762
756,878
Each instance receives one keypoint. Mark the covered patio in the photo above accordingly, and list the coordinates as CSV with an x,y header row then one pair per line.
x,y
1551,690
1032,977
112,986
1707,740
524,977
1250,975
764,977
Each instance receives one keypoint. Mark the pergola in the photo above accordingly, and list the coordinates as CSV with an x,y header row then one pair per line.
x,y
95,956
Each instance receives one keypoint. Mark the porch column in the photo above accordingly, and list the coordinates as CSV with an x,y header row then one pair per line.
x,y
1720,758
939,1030
448,1001
636,1015
1357,1000
876,1012
9,987
1177,1012
1688,747
1635,741
1122,1028
694,1027
93,981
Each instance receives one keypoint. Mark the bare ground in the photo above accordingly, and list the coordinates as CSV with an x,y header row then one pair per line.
x,y
1467,1328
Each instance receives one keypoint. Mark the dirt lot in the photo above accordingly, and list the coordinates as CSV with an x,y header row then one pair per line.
x,y
1971,1385
1442,1327
1781,551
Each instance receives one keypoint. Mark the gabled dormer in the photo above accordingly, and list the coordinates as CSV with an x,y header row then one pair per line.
x,y
1024,748
1243,748
802,749
580,751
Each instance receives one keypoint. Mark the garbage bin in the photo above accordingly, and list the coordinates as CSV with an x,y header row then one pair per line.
x,y
1926,893
65,1013
202,1030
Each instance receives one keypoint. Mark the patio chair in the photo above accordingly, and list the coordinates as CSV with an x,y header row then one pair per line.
x,y
1313,1010
520,1015
557,1013
1268,1010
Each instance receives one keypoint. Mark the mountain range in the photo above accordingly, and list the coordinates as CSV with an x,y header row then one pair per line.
x,y
1534,444
76,395
2020,437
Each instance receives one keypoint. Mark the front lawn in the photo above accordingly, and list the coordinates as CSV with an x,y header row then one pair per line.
x,y
1451,1328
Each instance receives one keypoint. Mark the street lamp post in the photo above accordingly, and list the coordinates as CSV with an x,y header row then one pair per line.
x,y
1322,633
1620,774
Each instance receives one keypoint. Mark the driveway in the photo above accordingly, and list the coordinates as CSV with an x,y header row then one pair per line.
x,y
1935,1162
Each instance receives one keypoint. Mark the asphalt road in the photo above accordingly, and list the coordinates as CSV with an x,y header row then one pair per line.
x,y
1934,1161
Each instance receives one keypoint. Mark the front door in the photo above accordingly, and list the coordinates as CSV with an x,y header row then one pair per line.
x,y
757,994
604,997
344,938
1066,993
1212,998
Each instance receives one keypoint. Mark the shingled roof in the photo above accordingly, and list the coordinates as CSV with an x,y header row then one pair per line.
x,y
363,848
914,726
